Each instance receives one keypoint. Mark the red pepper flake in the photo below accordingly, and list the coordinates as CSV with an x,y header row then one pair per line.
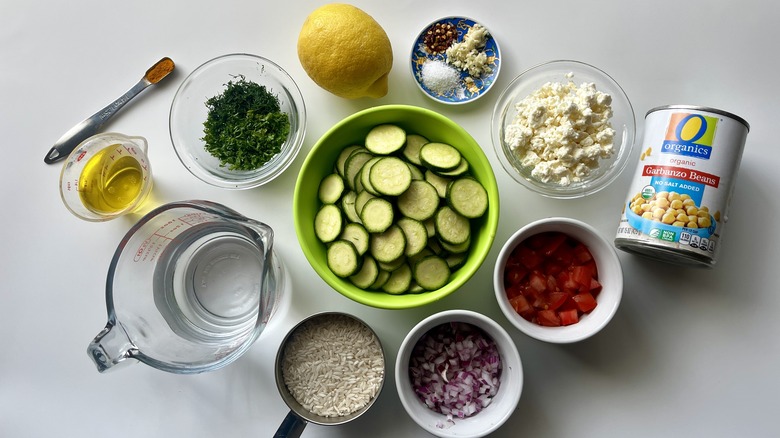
x,y
439,37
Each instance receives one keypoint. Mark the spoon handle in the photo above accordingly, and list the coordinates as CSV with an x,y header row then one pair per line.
x,y
91,125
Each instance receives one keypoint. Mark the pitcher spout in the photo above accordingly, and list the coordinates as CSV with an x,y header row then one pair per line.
x,y
110,347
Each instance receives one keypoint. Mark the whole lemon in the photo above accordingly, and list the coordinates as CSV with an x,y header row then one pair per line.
x,y
345,51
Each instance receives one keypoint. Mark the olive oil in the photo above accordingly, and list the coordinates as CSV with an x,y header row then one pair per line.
x,y
110,181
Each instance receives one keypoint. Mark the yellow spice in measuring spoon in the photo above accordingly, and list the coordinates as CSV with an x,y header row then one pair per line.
x,y
109,182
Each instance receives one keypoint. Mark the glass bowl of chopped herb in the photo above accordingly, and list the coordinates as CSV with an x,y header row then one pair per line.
x,y
237,121
564,129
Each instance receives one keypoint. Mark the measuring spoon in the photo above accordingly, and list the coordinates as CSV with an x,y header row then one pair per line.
x,y
92,125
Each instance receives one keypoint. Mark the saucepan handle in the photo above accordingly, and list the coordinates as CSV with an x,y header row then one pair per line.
x,y
291,427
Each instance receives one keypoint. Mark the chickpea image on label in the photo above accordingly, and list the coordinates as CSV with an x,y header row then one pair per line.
x,y
672,208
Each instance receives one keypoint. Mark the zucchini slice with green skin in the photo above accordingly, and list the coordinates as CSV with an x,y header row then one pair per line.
x,y
343,259
341,160
416,235
377,215
392,266
440,156
455,261
328,223
348,206
385,139
411,151
462,168
438,181
353,166
431,272
361,199
468,197
419,201
388,246
399,280
381,279
363,178
331,188
452,227
358,235
390,176
459,248
367,274
417,173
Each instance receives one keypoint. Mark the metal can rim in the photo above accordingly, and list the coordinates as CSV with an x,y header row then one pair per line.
x,y
702,108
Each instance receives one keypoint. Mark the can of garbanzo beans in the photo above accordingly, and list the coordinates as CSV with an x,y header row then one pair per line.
x,y
678,200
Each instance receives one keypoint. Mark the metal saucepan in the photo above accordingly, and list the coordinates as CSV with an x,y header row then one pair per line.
x,y
298,417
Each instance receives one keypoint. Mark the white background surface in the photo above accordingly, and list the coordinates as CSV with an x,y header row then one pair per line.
x,y
690,352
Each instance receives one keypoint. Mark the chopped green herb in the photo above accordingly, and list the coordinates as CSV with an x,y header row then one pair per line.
x,y
245,126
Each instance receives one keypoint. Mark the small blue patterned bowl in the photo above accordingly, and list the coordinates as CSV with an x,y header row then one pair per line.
x,y
464,87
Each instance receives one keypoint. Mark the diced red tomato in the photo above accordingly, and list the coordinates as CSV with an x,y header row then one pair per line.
x,y
520,304
548,318
585,302
556,300
569,317
552,279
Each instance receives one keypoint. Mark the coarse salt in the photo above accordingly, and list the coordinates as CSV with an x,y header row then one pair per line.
x,y
440,77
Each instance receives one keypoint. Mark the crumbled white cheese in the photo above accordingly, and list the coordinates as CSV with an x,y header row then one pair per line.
x,y
468,54
561,131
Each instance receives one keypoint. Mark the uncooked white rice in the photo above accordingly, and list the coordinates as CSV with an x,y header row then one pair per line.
x,y
333,365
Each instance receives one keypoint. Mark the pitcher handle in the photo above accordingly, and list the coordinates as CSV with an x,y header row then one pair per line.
x,y
110,347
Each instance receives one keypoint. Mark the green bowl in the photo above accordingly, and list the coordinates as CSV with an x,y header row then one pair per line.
x,y
353,130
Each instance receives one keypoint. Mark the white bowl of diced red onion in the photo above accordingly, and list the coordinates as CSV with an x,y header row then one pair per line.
x,y
458,374
558,280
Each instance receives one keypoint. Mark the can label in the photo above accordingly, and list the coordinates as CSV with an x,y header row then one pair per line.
x,y
678,200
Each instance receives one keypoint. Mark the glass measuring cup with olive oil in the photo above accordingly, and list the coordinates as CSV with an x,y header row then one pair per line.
x,y
106,176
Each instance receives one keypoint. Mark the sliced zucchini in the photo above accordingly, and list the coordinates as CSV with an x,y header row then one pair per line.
x,y
415,288
462,168
363,178
455,261
430,226
417,257
416,171
390,176
451,227
381,279
358,235
459,248
348,206
399,280
392,266
440,156
377,215
361,199
438,181
328,223
331,188
367,274
353,166
385,139
419,201
431,272
467,197
416,235
344,154
414,142
388,246
343,259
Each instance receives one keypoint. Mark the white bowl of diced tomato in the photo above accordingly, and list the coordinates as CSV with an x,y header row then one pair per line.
x,y
558,280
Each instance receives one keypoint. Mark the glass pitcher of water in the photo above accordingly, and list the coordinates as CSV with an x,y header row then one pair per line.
x,y
190,288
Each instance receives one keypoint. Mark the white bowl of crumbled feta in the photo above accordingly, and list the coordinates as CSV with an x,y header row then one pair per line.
x,y
564,129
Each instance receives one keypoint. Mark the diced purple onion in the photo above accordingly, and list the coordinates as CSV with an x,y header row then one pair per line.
x,y
455,370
